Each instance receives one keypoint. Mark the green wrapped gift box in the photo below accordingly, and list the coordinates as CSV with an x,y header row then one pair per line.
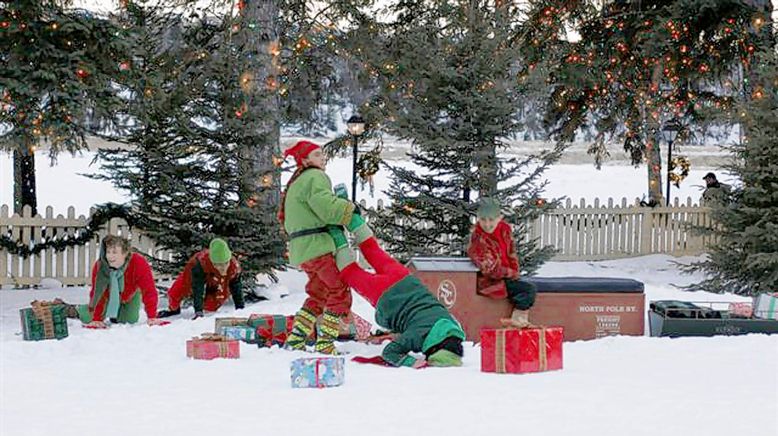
x,y
44,321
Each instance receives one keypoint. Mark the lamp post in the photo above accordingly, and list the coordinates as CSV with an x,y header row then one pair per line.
x,y
356,127
669,133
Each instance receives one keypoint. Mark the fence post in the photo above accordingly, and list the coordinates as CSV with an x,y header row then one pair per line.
x,y
646,226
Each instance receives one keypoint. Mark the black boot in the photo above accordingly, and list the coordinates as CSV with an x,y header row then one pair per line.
x,y
168,313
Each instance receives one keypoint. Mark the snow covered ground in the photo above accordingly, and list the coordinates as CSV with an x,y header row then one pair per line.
x,y
136,380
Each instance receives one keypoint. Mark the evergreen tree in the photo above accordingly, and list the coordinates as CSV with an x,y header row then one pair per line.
x,y
744,260
638,64
57,67
208,93
446,76
191,141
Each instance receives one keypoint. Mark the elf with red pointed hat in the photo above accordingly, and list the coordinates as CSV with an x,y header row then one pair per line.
x,y
308,207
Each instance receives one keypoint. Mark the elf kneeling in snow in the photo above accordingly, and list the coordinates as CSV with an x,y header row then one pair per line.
x,y
403,304
209,277
120,280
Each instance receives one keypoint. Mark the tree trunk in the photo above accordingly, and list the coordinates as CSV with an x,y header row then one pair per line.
x,y
487,170
653,147
24,181
261,179
654,164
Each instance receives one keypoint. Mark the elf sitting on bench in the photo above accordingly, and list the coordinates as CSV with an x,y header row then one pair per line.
x,y
493,250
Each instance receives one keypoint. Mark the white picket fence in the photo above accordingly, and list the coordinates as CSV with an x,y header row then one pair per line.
x,y
613,231
578,232
71,266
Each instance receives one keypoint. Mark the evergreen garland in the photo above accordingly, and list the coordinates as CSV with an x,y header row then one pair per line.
x,y
99,218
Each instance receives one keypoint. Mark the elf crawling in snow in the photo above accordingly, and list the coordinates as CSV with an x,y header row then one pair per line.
x,y
493,251
308,209
120,280
209,277
403,304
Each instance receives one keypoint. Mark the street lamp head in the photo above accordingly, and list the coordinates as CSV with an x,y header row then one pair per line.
x,y
670,130
356,125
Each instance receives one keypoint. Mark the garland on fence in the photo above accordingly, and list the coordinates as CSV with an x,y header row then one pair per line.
x,y
102,215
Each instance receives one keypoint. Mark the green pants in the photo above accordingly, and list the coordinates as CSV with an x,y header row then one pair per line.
x,y
129,312
521,293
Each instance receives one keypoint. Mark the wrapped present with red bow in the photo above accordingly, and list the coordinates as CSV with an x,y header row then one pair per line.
x,y
518,351
271,329
212,346
741,310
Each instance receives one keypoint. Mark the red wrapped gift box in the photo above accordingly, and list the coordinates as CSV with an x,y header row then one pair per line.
x,y
741,310
363,327
212,346
521,350
271,329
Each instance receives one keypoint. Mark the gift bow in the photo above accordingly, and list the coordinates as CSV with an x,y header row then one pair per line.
x,y
269,335
211,337
42,311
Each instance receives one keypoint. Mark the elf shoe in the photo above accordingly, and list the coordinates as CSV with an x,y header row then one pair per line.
x,y
519,319
329,328
303,326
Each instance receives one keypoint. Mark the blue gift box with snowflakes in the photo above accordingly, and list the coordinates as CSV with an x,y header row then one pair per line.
x,y
239,332
318,372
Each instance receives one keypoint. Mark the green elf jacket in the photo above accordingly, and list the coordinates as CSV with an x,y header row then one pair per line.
x,y
311,204
408,308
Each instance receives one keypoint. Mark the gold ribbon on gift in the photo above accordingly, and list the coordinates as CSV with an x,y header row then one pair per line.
x,y
542,349
212,337
42,311
499,351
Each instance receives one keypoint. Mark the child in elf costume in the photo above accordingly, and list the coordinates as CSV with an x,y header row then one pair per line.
x,y
120,280
403,304
209,277
493,251
308,209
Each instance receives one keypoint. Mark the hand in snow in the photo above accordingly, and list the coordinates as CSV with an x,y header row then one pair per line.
x,y
156,321
96,325
198,315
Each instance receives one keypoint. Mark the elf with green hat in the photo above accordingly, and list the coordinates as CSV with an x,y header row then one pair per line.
x,y
209,277
403,304
493,250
